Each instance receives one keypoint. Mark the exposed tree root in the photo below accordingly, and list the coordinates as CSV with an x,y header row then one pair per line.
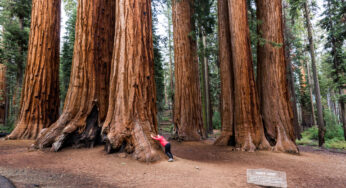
x,y
65,133
133,139
225,139
284,144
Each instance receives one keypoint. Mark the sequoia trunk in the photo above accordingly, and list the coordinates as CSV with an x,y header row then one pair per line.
x,y
86,101
272,85
40,93
249,133
187,98
131,117
226,76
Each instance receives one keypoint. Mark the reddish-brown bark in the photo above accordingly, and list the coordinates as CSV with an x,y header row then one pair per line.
x,y
226,75
272,84
86,101
248,127
40,93
131,116
187,98
241,120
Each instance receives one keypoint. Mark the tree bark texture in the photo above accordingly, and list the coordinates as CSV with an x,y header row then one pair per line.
x,y
86,101
273,91
3,97
131,117
320,120
187,98
226,76
39,106
249,133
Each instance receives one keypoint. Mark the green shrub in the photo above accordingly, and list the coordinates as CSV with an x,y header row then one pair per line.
x,y
333,128
334,131
311,133
306,141
335,143
334,137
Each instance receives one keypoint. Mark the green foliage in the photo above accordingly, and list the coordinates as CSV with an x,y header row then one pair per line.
x,y
334,133
6,129
67,50
70,7
15,23
159,74
334,129
158,60
307,142
216,120
311,133
334,24
203,16
335,143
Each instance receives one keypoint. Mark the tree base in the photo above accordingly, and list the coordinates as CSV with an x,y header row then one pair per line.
x,y
284,144
133,139
225,139
59,135
25,131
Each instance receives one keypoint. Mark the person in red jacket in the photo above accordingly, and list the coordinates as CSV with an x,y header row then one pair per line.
x,y
166,145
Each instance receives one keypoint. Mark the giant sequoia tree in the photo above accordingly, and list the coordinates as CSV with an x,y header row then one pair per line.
x,y
131,116
40,95
272,85
242,118
86,101
226,75
187,98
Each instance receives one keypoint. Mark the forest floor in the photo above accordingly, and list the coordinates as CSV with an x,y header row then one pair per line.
x,y
197,164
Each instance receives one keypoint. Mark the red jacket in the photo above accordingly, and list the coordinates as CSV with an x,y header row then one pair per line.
x,y
162,140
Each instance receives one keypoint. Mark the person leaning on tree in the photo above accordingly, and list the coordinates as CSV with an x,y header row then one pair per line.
x,y
166,145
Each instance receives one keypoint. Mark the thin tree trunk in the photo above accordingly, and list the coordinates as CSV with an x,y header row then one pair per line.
x,y
131,116
207,88
40,94
203,87
187,98
227,136
342,103
3,94
273,90
86,100
249,131
321,128
311,94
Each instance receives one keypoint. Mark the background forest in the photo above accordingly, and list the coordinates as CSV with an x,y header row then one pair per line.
x,y
317,23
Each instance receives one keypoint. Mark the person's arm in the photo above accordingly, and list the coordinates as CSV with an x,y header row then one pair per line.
x,y
155,137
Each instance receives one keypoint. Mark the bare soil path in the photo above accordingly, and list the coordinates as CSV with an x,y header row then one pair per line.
x,y
198,164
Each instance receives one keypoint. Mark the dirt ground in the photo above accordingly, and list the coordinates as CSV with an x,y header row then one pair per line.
x,y
197,164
